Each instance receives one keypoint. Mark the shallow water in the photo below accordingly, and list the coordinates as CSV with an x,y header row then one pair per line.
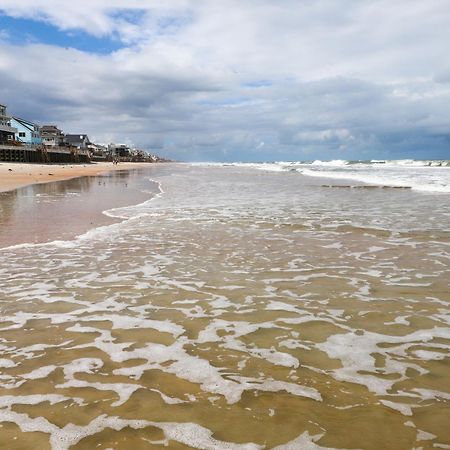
x,y
236,309
61,210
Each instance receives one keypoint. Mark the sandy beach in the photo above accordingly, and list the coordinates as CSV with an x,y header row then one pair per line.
x,y
15,175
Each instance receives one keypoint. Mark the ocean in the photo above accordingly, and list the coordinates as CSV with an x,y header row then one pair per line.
x,y
286,305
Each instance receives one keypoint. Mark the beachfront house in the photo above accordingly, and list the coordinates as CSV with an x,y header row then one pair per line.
x,y
27,132
7,132
77,140
98,152
138,155
119,150
52,136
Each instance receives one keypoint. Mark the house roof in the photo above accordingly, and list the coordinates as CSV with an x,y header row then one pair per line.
x,y
77,138
25,123
50,129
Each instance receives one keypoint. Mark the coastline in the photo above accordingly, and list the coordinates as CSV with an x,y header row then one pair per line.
x,y
36,207
18,175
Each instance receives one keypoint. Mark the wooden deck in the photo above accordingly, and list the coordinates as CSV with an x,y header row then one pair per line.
x,y
43,155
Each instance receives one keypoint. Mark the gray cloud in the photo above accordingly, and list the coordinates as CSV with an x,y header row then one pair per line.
x,y
242,80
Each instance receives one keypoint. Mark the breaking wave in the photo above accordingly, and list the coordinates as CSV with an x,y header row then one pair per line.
x,y
420,175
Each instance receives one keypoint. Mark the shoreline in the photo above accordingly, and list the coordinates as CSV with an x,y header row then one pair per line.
x,y
17,175
68,203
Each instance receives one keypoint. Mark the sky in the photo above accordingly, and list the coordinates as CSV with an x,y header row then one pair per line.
x,y
235,80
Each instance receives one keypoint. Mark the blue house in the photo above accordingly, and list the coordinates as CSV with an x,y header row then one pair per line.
x,y
27,132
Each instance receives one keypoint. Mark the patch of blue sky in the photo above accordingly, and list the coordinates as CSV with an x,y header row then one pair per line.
x,y
26,31
163,25
258,84
171,24
133,16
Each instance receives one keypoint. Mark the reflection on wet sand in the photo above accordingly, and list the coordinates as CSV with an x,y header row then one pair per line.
x,y
62,209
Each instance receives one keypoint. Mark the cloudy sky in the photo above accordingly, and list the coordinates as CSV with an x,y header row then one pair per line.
x,y
247,80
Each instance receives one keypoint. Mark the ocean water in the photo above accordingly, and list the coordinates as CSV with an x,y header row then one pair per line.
x,y
277,306
425,176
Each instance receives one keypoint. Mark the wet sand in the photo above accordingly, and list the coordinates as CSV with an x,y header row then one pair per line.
x,y
15,175
236,310
58,210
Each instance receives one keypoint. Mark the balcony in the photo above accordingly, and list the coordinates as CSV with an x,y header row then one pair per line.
x,y
7,129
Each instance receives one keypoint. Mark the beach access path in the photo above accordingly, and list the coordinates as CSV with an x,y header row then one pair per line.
x,y
16,175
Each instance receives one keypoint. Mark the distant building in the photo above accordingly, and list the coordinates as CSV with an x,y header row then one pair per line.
x,y
7,132
120,150
98,152
52,136
27,132
77,140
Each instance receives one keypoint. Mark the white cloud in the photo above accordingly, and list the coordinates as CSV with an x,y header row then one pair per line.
x,y
338,75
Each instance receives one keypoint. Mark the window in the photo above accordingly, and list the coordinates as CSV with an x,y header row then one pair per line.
x,y
22,134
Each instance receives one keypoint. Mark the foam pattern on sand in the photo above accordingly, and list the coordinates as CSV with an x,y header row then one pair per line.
x,y
211,319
